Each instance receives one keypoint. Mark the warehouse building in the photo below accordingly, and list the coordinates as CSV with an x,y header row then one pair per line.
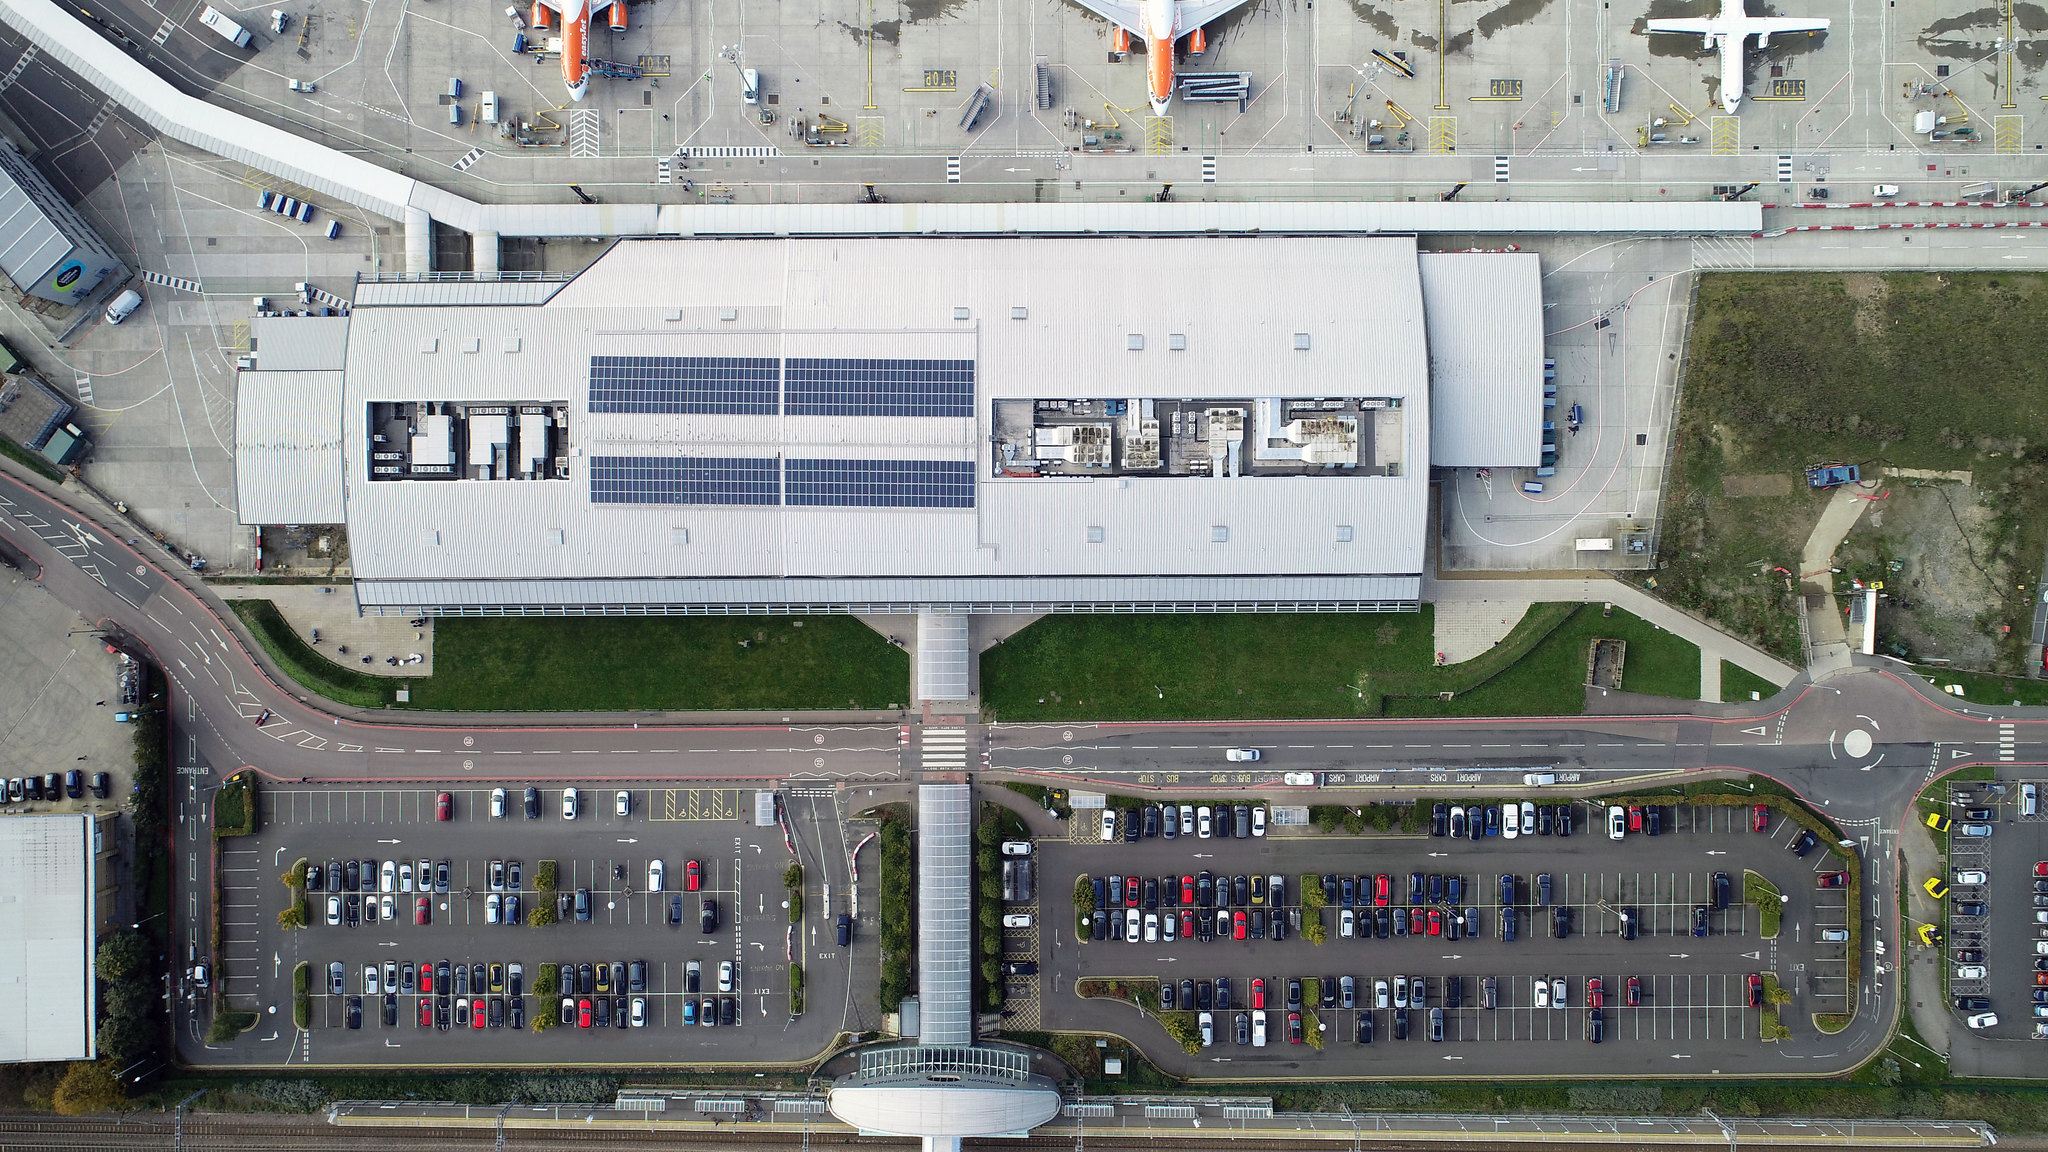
x,y
46,248
47,992
938,426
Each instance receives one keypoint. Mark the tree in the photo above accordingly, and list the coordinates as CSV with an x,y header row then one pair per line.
x,y
123,1038
292,917
123,954
88,1086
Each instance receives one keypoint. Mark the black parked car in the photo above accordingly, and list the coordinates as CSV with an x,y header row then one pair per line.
x,y
675,911
1151,821
1439,819
533,803
1806,842
707,916
99,785
355,1011
1699,920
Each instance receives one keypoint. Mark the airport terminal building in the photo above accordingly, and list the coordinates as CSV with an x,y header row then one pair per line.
x,y
903,424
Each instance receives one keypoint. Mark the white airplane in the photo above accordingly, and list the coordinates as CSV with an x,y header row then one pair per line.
x,y
1726,35
1160,24
576,18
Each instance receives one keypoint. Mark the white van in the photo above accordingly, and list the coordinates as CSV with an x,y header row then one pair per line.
x,y
1538,779
750,85
2030,800
487,111
123,306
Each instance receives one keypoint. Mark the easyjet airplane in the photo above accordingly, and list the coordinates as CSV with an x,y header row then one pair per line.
x,y
576,18
1160,24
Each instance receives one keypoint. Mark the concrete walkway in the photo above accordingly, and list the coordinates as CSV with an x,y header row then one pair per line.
x,y
1827,642
1929,1012
331,610
1473,605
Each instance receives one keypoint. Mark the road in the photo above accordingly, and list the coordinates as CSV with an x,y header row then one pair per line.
x,y
1860,745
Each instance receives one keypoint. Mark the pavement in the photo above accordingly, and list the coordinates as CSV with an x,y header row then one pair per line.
x,y
326,617
1827,642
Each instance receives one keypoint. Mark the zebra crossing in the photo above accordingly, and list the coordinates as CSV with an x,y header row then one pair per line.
x,y
2005,741
1500,169
323,296
733,151
163,31
468,158
664,170
99,119
85,390
1784,169
20,66
1208,169
952,169
943,749
177,282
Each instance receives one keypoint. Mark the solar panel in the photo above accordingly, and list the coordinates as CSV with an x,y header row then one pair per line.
x,y
683,480
851,387
881,483
698,385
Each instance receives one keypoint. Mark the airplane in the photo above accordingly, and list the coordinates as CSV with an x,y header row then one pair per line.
x,y
1160,23
576,18
1726,35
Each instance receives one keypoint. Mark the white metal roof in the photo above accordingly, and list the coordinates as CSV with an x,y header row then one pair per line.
x,y
945,924
46,975
30,242
1485,317
299,343
288,447
1082,298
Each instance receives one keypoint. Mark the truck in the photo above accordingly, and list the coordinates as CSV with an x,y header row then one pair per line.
x,y
1832,475
229,30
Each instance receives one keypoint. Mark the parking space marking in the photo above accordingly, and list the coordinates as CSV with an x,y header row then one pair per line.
x,y
695,804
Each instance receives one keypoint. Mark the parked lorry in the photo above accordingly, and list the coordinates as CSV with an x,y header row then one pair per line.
x,y
1832,475
229,30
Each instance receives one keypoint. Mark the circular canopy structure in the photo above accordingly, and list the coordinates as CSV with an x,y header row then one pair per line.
x,y
943,1094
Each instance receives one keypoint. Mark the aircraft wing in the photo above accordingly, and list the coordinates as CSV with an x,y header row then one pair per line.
x,y
1696,27
1119,12
1774,25
1195,13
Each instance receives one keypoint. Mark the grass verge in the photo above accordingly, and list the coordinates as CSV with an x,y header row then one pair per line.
x,y
1737,683
898,933
645,663
302,995
1305,665
234,807
298,660
1770,903
30,460
1980,688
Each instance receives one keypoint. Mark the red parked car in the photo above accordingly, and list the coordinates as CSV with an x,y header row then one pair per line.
x,y
444,807
693,875
1130,891
1258,993
1238,924
476,1013
1635,818
1187,925
1833,879
426,977
422,910
1436,922
1382,890
1760,818
426,1012
1187,891
583,1013
1756,990
1635,991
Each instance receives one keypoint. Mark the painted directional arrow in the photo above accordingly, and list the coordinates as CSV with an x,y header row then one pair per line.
x,y
1715,852
1759,730
1433,855
390,841
1757,955
629,840
1953,753
1679,955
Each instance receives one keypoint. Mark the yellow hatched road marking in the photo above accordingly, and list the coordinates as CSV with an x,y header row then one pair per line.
x,y
1158,135
868,131
1727,135
2005,134
1443,134
698,804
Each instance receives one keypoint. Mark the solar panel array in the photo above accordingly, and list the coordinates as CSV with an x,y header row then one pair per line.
x,y
754,386
706,385
683,480
882,483
759,481
850,387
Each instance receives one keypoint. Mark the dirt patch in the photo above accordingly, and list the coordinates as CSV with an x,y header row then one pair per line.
x,y
1764,484
1376,19
1869,292
1510,14
1925,543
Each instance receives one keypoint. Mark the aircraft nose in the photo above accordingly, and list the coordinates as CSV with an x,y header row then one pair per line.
x,y
577,91
1159,107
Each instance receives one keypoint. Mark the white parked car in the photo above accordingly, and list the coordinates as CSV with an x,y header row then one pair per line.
x,y
1528,818
1970,972
725,975
1542,992
654,874
1298,779
1557,993
568,803
1971,876
1982,1020
1131,925
1510,825
1617,822
1202,827
405,876
1346,922
1016,847
492,904
1380,994
1167,927
622,804
1109,825
1241,755
1208,1024
1259,1028
387,877
1017,920
1187,819
2040,947
497,803
388,904
1258,819
1400,991
1151,927
334,913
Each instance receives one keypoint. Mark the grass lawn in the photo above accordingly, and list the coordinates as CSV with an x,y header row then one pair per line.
x,y
1737,684
1312,665
1935,371
1981,689
645,663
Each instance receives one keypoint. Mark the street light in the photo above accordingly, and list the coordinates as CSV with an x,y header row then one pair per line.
x,y
147,919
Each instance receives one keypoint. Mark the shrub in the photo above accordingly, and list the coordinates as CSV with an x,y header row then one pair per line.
x,y
1770,905
229,1023
547,982
796,989
292,917
234,806
793,876
1184,1029
1313,929
123,955
544,876
302,1000
1084,895
1311,1029
1829,1023
542,915
1312,895
88,1086
897,934
1636,1099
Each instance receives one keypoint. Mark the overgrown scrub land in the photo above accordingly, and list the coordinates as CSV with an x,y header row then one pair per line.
x,y
1943,373
1291,665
